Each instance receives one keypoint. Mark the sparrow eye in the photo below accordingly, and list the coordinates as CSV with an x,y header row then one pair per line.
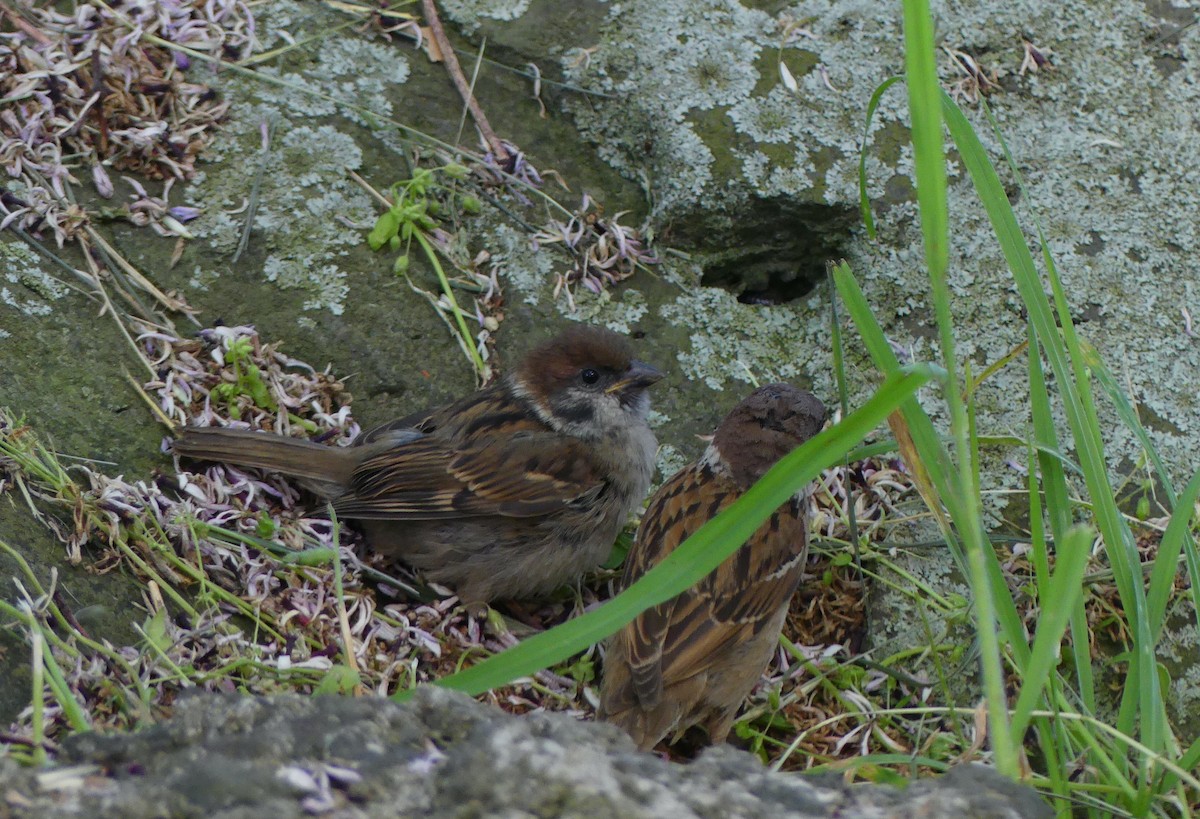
x,y
589,376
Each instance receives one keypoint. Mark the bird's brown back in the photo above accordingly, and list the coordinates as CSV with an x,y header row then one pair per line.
x,y
694,658
654,659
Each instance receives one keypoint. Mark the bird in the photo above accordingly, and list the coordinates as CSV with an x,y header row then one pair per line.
x,y
693,659
507,493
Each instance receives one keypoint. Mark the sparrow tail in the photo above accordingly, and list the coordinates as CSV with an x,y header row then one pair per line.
x,y
326,469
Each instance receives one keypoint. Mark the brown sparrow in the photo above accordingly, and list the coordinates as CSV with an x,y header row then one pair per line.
x,y
509,492
692,660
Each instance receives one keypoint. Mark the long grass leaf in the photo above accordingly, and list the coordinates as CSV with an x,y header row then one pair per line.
x,y
933,456
864,201
1064,588
1162,576
1066,361
1128,415
992,602
920,73
698,555
1058,511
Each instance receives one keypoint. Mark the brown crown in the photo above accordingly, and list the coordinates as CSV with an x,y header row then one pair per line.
x,y
558,361
768,424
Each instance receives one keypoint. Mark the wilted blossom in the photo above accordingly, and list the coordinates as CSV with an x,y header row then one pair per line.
x,y
104,185
605,251
184,213
512,172
145,117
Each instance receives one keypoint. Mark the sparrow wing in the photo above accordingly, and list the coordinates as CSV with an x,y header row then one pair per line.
x,y
527,474
399,431
670,518
683,637
455,420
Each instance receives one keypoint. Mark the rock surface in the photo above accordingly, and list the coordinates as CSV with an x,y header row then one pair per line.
x,y
444,755
741,175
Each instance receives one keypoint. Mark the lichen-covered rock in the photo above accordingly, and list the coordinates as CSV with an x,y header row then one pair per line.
x,y
756,181
444,755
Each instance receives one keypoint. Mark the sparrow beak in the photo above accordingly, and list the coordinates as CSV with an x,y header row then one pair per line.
x,y
639,376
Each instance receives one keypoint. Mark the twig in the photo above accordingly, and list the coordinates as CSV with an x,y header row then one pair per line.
x,y
365,185
417,137
460,81
267,129
25,26
176,305
414,33
154,408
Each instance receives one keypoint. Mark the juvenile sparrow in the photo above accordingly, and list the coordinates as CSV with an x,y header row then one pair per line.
x,y
692,660
509,492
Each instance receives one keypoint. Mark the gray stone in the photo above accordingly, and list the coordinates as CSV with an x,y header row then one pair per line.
x,y
445,755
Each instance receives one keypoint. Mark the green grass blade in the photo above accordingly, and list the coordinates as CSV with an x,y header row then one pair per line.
x,y
1058,511
956,485
1045,436
924,436
839,374
933,455
920,72
698,555
1066,361
1190,761
1039,542
864,201
1039,406
1126,412
1059,783
886,446
1162,577
1064,589
465,340
76,715
1128,415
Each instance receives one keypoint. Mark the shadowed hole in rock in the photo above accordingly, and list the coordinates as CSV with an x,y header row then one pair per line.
x,y
773,252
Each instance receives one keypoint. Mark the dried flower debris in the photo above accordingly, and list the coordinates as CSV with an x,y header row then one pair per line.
x,y
605,252
106,88
227,547
975,79
797,718
250,587
511,172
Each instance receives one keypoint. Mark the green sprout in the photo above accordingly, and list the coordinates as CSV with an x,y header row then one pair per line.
x,y
582,670
412,216
248,380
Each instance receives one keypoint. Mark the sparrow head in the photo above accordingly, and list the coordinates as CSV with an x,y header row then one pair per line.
x,y
768,424
586,382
